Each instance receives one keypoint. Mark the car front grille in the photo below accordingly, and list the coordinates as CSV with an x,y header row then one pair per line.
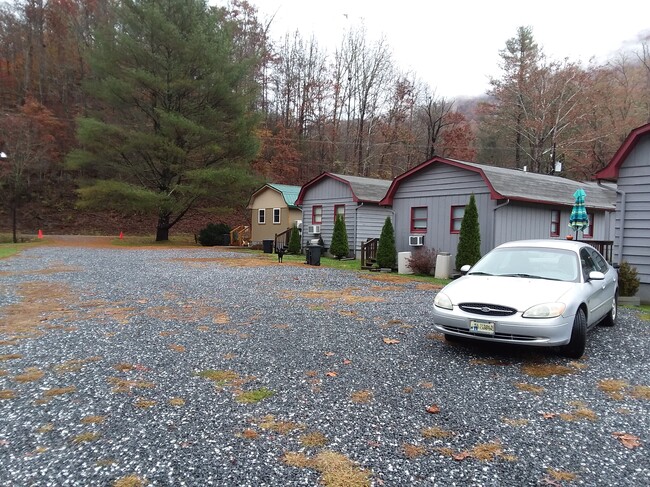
x,y
484,309
501,336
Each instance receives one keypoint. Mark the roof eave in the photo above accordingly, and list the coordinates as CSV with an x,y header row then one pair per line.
x,y
610,171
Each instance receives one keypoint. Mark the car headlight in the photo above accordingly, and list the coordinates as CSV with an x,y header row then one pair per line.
x,y
545,310
442,301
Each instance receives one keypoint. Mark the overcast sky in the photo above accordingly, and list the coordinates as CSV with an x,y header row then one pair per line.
x,y
454,45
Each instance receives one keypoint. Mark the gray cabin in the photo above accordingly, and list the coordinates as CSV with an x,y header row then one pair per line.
x,y
355,198
429,202
630,170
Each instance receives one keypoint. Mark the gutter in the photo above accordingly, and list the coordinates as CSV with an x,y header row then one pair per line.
x,y
622,225
494,221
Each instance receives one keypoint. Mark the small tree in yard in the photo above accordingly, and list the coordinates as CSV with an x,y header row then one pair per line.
x,y
469,240
339,247
294,240
386,251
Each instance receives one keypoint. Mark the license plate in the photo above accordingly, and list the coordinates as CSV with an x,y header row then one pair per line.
x,y
481,327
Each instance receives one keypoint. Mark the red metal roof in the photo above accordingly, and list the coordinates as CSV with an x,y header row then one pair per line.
x,y
610,171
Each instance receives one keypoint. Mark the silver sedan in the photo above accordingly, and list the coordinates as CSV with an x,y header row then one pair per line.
x,y
532,292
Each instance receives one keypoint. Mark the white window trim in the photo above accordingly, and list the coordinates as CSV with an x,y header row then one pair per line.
x,y
279,216
260,212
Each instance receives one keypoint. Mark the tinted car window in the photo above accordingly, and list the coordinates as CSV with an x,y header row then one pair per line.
x,y
587,263
599,261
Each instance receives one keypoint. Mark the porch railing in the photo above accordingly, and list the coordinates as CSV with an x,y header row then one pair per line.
x,y
603,246
282,239
369,253
240,235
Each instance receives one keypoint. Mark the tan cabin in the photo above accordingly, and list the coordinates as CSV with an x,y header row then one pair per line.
x,y
273,211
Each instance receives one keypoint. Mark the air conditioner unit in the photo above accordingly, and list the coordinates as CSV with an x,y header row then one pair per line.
x,y
313,229
416,240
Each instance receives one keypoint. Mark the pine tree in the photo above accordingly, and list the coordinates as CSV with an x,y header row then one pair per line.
x,y
173,125
386,251
339,246
469,239
294,240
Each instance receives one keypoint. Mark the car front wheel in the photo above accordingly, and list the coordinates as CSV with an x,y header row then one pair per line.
x,y
576,347
610,319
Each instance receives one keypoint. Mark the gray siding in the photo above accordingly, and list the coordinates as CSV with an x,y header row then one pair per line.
x,y
439,188
634,181
366,219
519,221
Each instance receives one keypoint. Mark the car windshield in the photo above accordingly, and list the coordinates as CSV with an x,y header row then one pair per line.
x,y
531,263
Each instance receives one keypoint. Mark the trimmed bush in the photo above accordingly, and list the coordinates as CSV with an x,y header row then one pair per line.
x,y
628,280
469,240
423,261
294,240
339,247
386,251
214,234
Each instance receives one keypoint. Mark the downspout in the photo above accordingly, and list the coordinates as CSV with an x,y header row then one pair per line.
x,y
622,225
356,228
494,222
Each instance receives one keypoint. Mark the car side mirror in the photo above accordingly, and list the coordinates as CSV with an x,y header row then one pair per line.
x,y
596,276
465,269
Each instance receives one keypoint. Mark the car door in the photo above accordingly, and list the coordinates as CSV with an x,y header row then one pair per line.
x,y
596,298
609,289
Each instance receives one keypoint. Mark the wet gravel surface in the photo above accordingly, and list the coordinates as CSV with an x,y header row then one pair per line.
x,y
103,349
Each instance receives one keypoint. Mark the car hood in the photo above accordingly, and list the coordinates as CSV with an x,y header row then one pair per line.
x,y
515,292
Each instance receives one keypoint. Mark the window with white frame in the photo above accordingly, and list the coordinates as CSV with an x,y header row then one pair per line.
x,y
317,215
276,216
555,223
261,216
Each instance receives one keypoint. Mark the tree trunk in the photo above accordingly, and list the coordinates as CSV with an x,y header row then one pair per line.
x,y
162,230
13,222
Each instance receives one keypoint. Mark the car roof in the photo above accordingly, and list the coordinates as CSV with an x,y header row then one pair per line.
x,y
546,243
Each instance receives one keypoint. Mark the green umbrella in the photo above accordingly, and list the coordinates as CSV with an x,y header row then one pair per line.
x,y
578,220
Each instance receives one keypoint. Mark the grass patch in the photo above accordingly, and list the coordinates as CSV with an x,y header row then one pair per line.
x,y
523,386
515,422
129,481
85,437
177,401
59,391
249,434
46,428
436,432
361,397
124,385
254,396
269,423
614,388
336,470
413,451
177,348
641,392
93,419
7,394
546,370
145,403
31,374
10,356
314,440
560,475
220,377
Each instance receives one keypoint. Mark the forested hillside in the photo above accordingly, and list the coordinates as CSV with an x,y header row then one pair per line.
x,y
142,117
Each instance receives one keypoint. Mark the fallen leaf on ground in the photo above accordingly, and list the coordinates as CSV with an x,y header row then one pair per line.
x,y
391,341
329,354
347,362
433,409
459,457
331,374
548,415
628,440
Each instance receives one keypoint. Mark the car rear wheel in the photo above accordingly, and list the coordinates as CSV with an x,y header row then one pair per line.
x,y
610,319
576,347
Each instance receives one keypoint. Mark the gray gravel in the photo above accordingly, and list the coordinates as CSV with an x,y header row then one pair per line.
x,y
130,306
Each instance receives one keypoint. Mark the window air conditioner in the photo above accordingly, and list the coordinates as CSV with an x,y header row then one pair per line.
x,y
416,240
313,229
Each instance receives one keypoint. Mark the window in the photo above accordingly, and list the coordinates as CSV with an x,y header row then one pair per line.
x,y
317,215
419,217
589,231
339,211
276,216
261,216
457,213
555,223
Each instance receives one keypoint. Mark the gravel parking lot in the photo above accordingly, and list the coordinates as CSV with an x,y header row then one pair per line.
x,y
196,367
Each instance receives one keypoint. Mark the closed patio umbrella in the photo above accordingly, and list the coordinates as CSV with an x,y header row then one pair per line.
x,y
578,220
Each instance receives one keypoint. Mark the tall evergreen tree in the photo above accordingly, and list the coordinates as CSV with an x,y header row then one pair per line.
x,y
386,250
174,125
339,247
469,239
294,240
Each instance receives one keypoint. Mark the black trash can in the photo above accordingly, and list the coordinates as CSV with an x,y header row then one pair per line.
x,y
267,245
313,254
